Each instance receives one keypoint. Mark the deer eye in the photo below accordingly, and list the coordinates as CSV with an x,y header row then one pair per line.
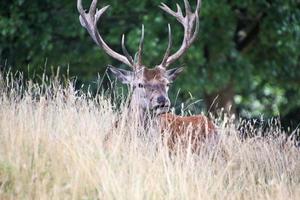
x,y
140,85
168,84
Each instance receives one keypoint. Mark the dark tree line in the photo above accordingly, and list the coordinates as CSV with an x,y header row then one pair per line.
x,y
246,58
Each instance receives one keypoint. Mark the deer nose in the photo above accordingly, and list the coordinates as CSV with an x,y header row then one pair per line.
x,y
161,100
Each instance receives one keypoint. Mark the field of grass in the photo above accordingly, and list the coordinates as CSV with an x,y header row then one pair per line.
x,y
51,147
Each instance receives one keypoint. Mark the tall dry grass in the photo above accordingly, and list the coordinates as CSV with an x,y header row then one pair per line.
x,y
51,147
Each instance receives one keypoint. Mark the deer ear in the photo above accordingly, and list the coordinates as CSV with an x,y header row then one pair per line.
x,y
122,75
173,73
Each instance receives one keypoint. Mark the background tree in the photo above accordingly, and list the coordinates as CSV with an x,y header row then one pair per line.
x,y
246,56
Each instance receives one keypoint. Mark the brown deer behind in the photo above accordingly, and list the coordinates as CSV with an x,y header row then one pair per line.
x,y
185,131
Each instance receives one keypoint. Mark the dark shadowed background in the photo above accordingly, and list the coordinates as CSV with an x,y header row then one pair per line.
x,y
247,54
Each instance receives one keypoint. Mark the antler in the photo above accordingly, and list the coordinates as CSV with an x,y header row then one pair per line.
x,y
190,23
89,21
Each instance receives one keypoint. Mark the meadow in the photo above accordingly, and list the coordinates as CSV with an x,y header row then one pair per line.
x,y
51,147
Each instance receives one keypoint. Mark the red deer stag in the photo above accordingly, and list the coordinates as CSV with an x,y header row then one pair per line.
x,y
150,85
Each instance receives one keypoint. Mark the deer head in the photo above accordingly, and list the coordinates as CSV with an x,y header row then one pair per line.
x,y
150,85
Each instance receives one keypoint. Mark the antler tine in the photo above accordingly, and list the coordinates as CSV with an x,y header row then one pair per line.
x,y
141,46
99,13
196,30
89,21
198,5
79,7
128,56
179,11
178,15
187,6
93,7
190,23
168,51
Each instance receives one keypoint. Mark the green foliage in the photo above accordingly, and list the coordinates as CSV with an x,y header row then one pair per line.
x,y
252,44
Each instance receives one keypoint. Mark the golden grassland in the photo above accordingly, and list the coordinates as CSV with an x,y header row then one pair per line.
x,y
51,147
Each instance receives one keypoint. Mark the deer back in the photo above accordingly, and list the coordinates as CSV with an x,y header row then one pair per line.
x,y
193,130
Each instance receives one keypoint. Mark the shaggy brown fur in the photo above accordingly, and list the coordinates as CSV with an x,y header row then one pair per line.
x,y
182,131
